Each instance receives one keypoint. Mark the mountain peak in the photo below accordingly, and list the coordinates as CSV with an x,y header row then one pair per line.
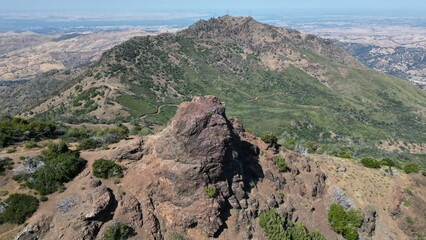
x,y
226,24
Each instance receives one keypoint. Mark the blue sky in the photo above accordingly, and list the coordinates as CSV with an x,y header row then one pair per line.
x,y
129,6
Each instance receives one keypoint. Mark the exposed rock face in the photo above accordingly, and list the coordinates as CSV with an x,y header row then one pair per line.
x,y
131,151
165,191
34,231
199,148
369,225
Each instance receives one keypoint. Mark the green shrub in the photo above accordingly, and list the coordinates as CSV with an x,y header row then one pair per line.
x,y
345,223
13,130
106,169
409,219
19,208
117,231
298,231
312,146
76,134
121,130
43,199
290,144
411,168
276,228
280,163
388,162
11,149
342,152
269,138
5,162
370,163
61,166
273,225
87,143
30,144
210,191
315,235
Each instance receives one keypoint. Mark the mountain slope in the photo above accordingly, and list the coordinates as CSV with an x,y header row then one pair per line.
x,y
296,85
203,177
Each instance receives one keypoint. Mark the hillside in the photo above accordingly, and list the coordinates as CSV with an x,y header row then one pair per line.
x,y
203,177
299,86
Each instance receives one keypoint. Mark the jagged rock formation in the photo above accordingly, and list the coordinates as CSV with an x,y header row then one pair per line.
x,y
165,190
163,193
198,149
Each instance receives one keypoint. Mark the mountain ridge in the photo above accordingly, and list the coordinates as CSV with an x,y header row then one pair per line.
x,y
308,88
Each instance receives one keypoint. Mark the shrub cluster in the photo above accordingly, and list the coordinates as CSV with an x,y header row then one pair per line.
x,y
269,138
411,168
90,139
345,222
342,152
276,228
117,231
13,130
370,163
106,169
408,167
60,166
17,208
280,163
87,143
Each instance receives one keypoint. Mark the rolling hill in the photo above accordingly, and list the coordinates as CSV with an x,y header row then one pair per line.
x,y
301,87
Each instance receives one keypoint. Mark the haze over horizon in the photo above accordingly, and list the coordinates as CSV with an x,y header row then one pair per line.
x,y
390,7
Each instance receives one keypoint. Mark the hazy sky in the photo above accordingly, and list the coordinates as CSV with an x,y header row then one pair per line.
x,y
124,6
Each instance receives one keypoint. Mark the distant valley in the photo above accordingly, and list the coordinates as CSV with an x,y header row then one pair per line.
x,y
396,46
402,62
26,54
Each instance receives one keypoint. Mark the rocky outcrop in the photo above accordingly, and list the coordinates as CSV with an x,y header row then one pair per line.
x,y
202,172
368,226
133,150
200,149
35,231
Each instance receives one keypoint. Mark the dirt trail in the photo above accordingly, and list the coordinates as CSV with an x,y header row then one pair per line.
x,y
257,97
10,233
158,111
